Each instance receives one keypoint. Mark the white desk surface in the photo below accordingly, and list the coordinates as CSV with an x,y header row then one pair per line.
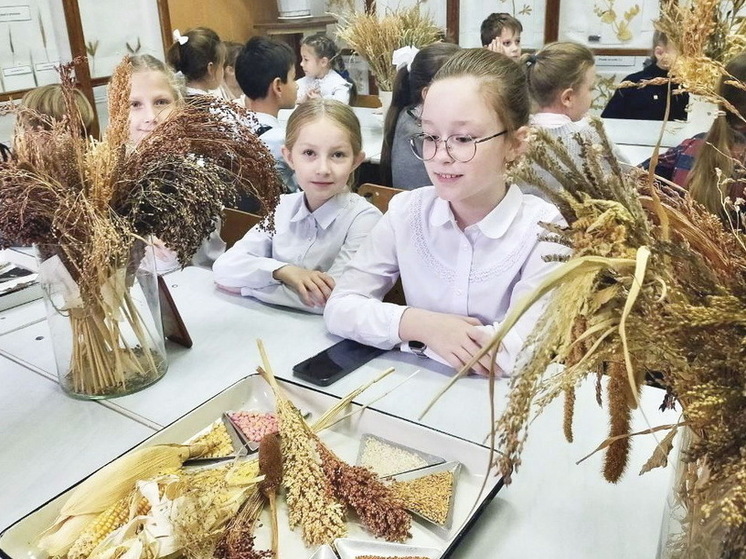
x,y
49,441
553,509
23,315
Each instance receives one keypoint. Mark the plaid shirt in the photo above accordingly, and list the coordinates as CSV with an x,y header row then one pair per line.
x,y
676,163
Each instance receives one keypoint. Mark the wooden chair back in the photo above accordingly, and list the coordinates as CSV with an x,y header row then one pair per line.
x,y
378,195
368,101
235,225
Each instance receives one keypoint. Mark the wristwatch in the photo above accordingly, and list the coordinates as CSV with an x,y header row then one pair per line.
x,y
418,348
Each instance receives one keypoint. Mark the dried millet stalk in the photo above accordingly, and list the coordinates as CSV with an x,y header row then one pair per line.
x,y
375,504
309,497
620,413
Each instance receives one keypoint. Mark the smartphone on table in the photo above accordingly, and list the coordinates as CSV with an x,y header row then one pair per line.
x,y
333,363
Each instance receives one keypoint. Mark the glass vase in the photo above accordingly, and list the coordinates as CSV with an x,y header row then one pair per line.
x,y
686,531
104,320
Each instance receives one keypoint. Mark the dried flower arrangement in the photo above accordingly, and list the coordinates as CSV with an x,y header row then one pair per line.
x,y
654,283
319,487
90,204
150,504
376,38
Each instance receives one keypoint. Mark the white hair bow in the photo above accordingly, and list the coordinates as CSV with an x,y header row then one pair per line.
x,y
404,57
179,38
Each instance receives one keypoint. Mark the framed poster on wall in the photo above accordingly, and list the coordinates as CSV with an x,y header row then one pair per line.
x,y
32,43
112,30
609,25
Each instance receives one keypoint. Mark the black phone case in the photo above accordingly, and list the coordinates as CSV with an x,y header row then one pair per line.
x,y
330,365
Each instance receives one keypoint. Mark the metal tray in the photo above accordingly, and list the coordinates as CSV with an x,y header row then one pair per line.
x,y
343,438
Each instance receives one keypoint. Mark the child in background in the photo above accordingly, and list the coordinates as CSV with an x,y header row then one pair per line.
x,y
199,55
501,33
229,88
317,230
649,102
265,70
401,169
693,163
49,102
154,94
323,68
466,249
561,77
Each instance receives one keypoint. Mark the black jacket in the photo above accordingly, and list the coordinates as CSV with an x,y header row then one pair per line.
x,y
649,102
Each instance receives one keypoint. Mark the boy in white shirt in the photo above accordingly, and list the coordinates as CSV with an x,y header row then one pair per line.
x,y
265,70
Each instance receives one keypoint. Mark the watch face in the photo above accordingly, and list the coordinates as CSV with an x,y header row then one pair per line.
x,y
417,347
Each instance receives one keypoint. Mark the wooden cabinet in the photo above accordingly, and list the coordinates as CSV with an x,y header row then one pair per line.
x,y
233,20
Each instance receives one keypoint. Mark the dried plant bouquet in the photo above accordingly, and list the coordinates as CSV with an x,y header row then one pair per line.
x,y
89,205
655,283
375,37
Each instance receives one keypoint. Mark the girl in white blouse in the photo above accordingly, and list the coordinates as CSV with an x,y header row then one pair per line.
x,y
317,230
469,247
323,68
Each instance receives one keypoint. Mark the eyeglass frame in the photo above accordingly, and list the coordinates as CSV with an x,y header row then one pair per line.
x,y
474,142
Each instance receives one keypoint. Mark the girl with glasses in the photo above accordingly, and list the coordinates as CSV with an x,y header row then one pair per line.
x,y
467,248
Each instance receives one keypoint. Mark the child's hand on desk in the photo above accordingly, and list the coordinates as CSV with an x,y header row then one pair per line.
x,y
455,338
313,287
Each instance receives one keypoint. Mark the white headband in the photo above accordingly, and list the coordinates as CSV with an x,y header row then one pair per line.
x,y
404,57
179,38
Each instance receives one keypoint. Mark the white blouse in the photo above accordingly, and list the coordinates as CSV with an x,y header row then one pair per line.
x,y
324,240
331,86
479,272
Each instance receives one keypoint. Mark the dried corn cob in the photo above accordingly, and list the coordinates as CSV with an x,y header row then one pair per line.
x,y
216,440
106,522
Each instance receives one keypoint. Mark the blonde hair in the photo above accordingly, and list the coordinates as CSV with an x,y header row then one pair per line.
x,y
336,111
148,63
501,82
48,101
715,153
555,68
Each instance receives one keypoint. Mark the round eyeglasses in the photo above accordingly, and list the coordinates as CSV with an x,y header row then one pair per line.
x,y
459,147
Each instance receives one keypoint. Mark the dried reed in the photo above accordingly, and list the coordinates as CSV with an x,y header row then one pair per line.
x,y
375,37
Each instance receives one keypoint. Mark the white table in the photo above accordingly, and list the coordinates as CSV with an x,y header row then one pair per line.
x,y
553,509
637,138
49,441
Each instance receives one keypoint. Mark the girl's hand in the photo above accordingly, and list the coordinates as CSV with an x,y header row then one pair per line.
x,y
313,287
455,338
314,93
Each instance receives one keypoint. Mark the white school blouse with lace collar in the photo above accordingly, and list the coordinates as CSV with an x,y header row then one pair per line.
x,y
479,272
323,240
